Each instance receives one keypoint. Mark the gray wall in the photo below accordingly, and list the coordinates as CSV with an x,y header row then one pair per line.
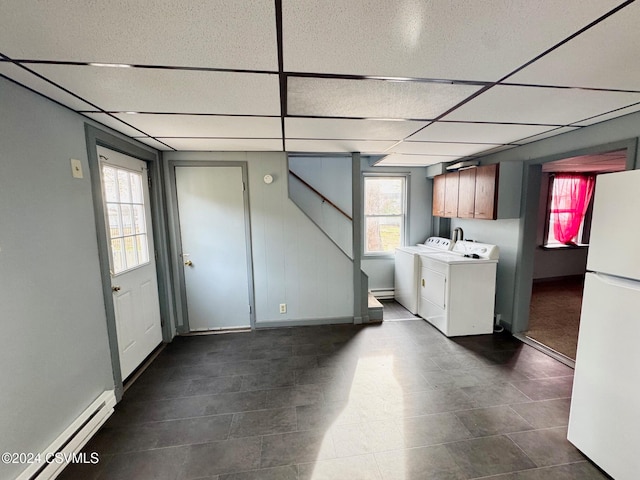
x,y
516,238
53,348
293,261
380,269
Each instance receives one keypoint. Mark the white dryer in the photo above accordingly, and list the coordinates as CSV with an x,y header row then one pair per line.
x,y
407,270
457,288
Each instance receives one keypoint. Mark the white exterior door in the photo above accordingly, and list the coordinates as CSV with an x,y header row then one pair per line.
x,y
211,208
125,193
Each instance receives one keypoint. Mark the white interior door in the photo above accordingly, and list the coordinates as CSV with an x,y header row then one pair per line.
x,y
211,208
131,257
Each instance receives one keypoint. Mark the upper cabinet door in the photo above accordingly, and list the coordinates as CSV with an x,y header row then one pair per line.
x,y
451,194
486,192
438,196
466,193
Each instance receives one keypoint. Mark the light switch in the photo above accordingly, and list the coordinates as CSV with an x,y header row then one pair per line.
x,y
76,168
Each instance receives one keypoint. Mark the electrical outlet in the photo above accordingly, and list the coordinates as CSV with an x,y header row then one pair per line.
x,y
283,308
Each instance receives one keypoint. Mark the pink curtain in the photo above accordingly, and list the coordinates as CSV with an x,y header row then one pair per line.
x,y
570,199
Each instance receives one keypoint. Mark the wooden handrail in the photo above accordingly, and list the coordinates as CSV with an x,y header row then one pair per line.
x,y
324,199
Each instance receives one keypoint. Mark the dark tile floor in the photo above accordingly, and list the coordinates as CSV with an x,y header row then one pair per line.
x,y
396,400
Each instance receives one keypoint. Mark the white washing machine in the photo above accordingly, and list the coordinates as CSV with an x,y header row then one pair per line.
x,y
407,270
457,288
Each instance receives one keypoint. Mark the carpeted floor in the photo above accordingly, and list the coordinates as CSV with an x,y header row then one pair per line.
x,y
555,314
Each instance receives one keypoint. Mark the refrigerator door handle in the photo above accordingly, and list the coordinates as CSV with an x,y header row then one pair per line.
x,y
617,281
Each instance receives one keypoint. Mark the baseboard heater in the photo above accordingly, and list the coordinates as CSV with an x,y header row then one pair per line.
x,y
72,439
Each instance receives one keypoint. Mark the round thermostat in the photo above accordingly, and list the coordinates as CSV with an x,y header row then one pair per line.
x,y
268,179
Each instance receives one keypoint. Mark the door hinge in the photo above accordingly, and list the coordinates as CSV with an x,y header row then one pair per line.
x,y
161,322
155,255
244,187
149,181
249,309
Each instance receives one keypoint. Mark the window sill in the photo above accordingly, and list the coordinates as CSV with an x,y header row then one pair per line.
x,y
564,247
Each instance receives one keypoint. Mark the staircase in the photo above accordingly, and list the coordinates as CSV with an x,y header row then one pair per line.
x,y
375,309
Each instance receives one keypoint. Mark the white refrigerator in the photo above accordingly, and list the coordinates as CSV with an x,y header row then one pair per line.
x,y
604,422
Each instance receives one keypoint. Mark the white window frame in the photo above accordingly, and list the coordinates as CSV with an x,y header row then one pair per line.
x,y
403,217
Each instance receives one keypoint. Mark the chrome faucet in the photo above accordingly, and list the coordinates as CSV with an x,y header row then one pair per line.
x,y
458,234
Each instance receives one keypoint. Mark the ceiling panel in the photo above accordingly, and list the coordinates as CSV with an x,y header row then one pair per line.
x,y
559,106
397,159
203,33
550,133
116,124
438,148
349,129
465,39
30,80
153,143
607,116
224,144
171,91
337,146
476,132
158,125
372,98
605,56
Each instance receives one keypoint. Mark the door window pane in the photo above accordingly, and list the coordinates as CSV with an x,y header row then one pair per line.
x,y
125,212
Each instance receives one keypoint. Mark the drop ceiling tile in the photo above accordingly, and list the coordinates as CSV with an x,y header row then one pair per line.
x,y
170,91
158,125
225,144
338,128
34,82
501,148
203,33
557,106
154,143
336,146
397,159
607,116
605,56
460,40
476,132
438,148
550,133
372,98
116,124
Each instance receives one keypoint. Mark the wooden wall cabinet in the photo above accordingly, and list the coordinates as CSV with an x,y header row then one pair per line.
x,y
451,189
438,196
487,192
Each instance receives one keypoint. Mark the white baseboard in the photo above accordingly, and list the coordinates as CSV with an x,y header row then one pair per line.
x,y
71,441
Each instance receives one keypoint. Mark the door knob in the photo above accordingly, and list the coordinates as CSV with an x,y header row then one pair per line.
x,y
189,263
115,289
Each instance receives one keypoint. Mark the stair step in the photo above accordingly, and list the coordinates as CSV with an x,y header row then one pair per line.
x,y
375,309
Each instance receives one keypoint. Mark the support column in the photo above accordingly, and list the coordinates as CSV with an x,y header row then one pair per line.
x,y
360,313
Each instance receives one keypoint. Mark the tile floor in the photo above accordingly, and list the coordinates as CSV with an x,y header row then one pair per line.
x,y
396,401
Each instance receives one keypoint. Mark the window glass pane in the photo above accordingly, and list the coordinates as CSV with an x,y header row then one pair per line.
x,y
109,182
136,187
130,252
383,196
127,219
383,234
138,219
124,186
115,224
143,248
117,251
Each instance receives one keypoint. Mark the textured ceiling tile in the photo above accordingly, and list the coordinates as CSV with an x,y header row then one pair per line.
x,y
605,56
336,128
171,91
116,124
32,81
463,39
154,143
397,159
224,144
437,148
608,116
550,133
557,106
201,33
372,98
476,132
337,146
158,125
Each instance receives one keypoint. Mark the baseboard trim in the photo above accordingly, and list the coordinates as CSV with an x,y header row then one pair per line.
x,y
304,322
